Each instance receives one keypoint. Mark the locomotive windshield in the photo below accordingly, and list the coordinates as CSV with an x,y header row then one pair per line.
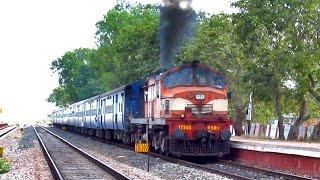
x,y
184,77
204,77
197,76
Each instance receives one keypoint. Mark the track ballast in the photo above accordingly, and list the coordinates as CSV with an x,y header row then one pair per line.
x,y
69,162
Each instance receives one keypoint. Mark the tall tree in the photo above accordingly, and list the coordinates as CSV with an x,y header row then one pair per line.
x,y
76,78
128,44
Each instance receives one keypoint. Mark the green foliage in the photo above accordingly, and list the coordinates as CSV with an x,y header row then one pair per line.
x,y
279,37
263,112
60,96
127,51
4,166
76,78
313,107
128,44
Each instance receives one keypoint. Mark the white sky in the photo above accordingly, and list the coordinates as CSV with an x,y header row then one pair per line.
x,y
35,32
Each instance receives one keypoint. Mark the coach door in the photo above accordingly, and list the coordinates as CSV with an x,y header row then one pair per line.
x,y
101,112
115,111
120,110
83,114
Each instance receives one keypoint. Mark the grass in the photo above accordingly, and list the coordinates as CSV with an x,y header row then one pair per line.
x,y
4,166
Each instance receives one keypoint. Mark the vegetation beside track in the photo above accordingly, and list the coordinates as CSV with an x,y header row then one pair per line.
x,y
4,165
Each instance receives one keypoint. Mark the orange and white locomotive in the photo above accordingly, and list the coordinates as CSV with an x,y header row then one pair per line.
x,y
186,108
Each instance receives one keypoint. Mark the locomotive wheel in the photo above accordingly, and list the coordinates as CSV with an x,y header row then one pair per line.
x,y
108,135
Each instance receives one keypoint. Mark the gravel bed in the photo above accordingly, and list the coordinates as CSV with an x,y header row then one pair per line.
x,y
239,171
135,162
25,156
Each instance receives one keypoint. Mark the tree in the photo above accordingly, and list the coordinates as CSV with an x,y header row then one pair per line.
x,y
76,78
59,96
128,44
280,37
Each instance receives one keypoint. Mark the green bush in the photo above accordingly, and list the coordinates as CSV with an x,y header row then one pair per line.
x,y
4,166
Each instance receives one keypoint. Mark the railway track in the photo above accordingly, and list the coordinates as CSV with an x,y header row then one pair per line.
x,y
67,161
232,170
222,167
6,130
260,171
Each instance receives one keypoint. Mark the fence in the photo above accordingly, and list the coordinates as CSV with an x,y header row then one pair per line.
x,y
271,131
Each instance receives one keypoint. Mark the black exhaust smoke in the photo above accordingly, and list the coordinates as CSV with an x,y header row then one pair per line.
x,y
177,20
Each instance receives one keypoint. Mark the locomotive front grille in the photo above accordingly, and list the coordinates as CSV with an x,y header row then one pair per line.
x,y
204,110
194,148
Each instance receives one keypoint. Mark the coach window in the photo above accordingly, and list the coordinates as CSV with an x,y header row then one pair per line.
x,y
122,107
116,98
157,89
146,96
166,106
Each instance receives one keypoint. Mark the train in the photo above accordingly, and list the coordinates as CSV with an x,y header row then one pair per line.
x,y
180,111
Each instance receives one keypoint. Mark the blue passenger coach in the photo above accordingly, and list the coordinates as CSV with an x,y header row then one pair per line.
x,y
106,114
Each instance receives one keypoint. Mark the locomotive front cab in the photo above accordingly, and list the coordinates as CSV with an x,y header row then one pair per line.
x,y
194,104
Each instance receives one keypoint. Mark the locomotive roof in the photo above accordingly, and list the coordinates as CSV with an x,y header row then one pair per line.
x,y
183,64
191,63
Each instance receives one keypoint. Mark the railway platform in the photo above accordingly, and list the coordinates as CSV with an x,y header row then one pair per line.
x,y
277,146
302,158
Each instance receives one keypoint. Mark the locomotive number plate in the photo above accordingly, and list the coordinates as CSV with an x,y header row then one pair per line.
x,y
141,147
213,128
185,127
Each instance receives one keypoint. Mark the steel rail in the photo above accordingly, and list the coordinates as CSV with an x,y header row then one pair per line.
x,y
1,135
102,165
200,167
265,171
52,165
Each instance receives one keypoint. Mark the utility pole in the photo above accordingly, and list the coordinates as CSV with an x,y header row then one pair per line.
x,y
249,113
147,131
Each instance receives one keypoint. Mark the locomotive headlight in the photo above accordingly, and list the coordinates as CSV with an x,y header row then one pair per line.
x,y
225,134
182,115
199,96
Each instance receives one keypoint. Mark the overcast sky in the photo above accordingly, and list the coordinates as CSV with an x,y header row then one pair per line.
x,y
35,32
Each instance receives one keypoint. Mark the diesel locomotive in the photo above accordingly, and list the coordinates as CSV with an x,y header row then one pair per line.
x,y
181,111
